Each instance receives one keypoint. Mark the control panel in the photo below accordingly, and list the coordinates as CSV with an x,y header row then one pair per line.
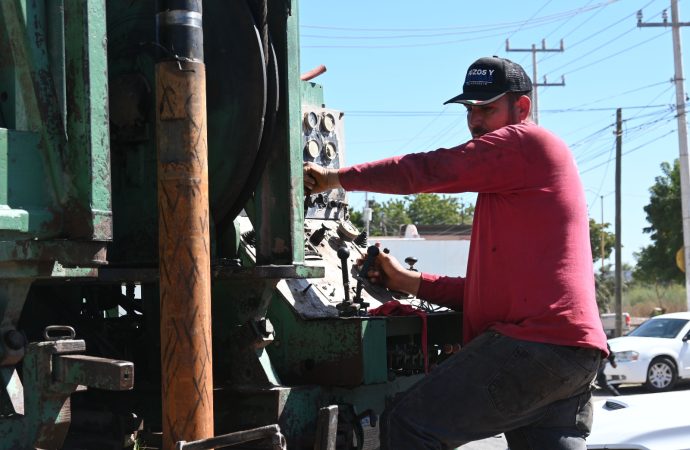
x,y
323,141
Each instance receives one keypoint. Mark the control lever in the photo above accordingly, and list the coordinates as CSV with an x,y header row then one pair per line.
x,y
411,261
345,308
372,252
343,254
318,235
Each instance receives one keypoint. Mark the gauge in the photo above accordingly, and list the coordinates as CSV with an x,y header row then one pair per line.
x,y
329,150
311,120
347,231
311,148
328,122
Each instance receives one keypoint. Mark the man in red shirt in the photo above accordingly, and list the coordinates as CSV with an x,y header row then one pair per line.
x,y
532,334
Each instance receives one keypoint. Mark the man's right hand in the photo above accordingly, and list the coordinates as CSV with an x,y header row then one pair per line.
x,y
318,179
388,272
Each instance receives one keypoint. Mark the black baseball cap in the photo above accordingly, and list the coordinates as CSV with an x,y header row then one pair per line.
x,y
489,78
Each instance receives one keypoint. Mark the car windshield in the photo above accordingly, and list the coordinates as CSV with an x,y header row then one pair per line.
x,y
659,328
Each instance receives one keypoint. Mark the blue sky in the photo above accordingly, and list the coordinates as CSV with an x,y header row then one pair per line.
x,y
391,65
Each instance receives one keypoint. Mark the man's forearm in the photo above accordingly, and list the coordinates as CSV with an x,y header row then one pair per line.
x,y
332,179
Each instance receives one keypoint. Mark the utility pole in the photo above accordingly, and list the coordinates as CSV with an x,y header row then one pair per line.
x,y
367,213
535,84
601,235
682,129
619,267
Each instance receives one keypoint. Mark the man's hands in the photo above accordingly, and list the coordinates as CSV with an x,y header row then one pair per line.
x,y
318,179
388,272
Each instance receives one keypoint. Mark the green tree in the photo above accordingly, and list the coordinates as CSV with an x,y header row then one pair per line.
x,y
597,233
604,279
466,213
605,284
657,262
357,219
419,209
433,209
390,216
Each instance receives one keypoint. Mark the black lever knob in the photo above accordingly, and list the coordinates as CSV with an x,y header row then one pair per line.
x,y
411,261
343,254
318,235
372,252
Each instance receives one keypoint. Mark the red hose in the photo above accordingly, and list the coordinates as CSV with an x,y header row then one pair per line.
x,y
313,73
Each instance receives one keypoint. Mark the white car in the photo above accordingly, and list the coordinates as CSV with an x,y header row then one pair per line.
x,y
641,422
656,353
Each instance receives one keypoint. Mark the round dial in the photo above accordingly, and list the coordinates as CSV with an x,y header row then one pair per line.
x,y
311,148
329,150
328,122
311,120
347,231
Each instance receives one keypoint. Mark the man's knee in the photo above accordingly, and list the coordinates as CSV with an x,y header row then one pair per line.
x,y
399,431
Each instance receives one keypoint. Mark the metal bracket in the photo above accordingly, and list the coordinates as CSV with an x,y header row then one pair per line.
x,y
326,428
240,437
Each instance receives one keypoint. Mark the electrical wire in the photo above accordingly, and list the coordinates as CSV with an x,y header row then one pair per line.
x,y
608,57
500,25
630,91
522,25
597,33
569,19
630,133
631,150
527,21
436,114
605,44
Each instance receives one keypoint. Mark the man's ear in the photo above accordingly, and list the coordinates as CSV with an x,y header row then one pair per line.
x,y
524,105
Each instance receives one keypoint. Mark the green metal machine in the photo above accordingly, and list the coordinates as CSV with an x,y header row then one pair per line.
x,y
295,352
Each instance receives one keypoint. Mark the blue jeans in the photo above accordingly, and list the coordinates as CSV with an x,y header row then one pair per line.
x,y
539,395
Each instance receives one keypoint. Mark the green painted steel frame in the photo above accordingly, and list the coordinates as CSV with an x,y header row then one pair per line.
x,y
328,352
279,200
54,185
55,96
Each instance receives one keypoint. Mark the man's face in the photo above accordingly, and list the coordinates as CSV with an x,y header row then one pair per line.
x,y
490,117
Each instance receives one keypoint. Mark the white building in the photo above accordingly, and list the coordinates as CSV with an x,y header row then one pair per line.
x,y
439,249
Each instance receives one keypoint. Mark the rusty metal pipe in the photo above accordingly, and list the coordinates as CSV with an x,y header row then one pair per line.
x,y
183,225
185,266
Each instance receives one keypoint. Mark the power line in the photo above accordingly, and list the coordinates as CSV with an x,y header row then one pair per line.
x,y
435,114
597,33
521,26
547,19
568,20
630,151
615,54
630,91
631,135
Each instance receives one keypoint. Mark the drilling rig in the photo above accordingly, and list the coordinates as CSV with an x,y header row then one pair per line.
x,y
164,280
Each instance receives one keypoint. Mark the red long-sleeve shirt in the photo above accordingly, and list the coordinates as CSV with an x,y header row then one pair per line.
x,y
530,273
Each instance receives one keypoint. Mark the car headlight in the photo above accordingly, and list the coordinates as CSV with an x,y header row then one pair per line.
x,y
627,356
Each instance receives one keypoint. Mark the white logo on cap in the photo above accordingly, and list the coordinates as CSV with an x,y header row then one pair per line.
x,y
480,72
481,77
